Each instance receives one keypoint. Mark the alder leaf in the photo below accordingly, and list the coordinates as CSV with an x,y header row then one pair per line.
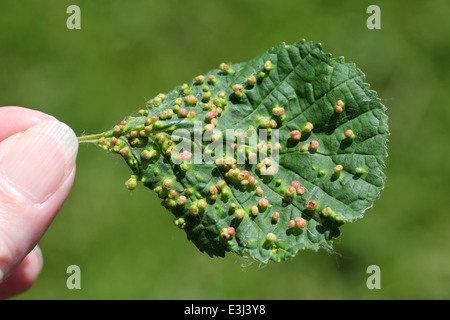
x,y
263,158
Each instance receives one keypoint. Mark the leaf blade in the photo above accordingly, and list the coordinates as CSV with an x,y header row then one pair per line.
x,y
307,83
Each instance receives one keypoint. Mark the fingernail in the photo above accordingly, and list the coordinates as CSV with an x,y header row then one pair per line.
x,y
40,259
39,160
33,266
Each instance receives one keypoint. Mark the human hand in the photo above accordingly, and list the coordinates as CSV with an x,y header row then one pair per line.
x,y
37,169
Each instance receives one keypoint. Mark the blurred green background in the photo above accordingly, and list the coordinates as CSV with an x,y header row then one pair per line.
x,y
128,51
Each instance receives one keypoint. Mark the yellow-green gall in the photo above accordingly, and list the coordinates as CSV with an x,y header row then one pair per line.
x,y
277,111
239,214
193,210
180,223
254,210
326,212
251,81
308,127
190,100
224,67
181,201
148,154
270,237
213,79
202,204
131,183
207,96
360,171
200,79
268,65
338,168
237,87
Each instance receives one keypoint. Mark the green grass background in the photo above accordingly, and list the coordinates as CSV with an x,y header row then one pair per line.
x,y
129,51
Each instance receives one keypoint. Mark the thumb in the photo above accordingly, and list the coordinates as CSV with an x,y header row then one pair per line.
x,y
37,168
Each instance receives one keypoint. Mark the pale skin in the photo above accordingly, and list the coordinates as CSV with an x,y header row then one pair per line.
x,y
37,170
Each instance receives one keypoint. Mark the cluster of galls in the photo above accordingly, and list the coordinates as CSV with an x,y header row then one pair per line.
x,y
170,196
294,189
273,121
313,145
252,211
247,148
197,207
214,107
122,139
312,206
329,213
213,113
267,68
227,233
173,201
265,168
238,88
235,175
339,106
184,107
298,222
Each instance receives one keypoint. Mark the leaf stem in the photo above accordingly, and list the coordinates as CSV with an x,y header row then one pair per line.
x,y
92,138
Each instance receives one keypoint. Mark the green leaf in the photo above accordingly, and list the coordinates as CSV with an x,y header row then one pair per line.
x,y
332,134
